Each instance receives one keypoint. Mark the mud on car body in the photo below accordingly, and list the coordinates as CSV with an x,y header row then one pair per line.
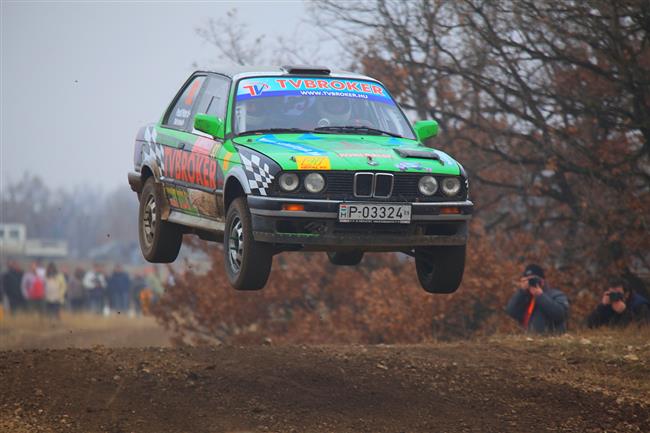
x,y
298,158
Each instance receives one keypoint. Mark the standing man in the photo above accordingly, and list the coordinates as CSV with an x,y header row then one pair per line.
x,y
95,284
11,283
119,285
76,293
55,288
138,284
32,287
536,306
620,306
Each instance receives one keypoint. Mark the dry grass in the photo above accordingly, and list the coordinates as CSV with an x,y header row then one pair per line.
x,y
29,331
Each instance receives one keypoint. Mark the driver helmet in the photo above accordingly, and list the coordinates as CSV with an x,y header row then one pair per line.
x,y
258,110
336,109
296,106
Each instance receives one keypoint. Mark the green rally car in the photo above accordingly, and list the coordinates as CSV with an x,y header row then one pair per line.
x,y
298,159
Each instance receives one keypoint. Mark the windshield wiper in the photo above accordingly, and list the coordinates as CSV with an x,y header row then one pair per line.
x,y
366,129
276,130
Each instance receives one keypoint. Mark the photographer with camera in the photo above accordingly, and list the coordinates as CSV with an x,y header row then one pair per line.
x,y
536,306
620,306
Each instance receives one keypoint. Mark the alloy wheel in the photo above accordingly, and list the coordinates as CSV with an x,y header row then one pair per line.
x,y
149,219
236,244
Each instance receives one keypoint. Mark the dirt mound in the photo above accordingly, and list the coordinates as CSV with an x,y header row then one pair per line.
x,y
513,384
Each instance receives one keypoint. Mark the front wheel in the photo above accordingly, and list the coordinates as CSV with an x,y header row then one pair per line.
x,y
248,262
440,269
160,241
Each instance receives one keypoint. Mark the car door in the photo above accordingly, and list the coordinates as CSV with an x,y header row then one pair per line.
x,y
199,179
207,171
174,136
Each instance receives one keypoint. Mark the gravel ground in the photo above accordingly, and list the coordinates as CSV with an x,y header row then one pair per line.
x,y
587,383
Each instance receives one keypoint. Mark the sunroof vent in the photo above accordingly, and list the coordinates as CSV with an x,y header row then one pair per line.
x,y
307,70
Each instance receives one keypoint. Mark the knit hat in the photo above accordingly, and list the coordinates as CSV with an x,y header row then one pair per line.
x,y
533,270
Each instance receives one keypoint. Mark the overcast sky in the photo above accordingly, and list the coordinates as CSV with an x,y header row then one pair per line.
x,y
79,79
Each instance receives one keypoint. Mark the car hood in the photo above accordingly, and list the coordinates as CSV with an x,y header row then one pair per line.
x,y
349,152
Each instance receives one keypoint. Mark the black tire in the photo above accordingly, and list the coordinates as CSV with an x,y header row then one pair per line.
x,y
440,269
160,241
247,262
345,258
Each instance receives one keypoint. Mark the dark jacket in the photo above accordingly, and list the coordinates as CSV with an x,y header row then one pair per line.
x,y
119,282
549,315
11,283
637,310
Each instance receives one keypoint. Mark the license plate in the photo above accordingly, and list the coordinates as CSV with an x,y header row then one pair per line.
x,y
374,213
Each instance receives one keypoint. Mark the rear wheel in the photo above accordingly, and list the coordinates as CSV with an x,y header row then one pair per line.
x,y
345,258
440,269
160,241
248,262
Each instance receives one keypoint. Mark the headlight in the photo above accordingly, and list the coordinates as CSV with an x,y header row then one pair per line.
x,y
314,182
428,185
451,186
289,181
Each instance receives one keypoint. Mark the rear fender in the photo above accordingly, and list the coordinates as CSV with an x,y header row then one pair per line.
x,y
148,160
148,152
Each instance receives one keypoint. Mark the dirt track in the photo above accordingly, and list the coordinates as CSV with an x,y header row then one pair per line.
x,y
571,384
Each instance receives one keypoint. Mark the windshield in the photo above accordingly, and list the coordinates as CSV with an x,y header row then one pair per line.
x,y
333,105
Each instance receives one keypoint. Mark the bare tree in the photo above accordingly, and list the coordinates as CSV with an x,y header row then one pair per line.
x,y
231,38
235,41
84,216
548,103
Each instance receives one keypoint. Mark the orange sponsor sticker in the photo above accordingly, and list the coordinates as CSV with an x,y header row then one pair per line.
x,y
226,160
313,162
195,86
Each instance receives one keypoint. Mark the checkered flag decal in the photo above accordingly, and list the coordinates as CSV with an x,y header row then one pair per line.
x,y
152,151
259,176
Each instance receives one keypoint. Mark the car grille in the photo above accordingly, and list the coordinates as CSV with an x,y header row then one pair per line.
x,y
395,187
379,185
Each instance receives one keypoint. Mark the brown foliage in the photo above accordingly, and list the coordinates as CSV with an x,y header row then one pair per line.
x,y
309,300
547,107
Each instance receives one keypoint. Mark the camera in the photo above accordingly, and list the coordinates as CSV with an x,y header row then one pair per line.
x,y
534,282
615,296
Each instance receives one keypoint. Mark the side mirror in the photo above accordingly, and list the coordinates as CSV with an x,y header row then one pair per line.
x,y
426,129
210,125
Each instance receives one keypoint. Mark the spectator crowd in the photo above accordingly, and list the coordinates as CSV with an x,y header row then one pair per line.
x,y
536,306
46,290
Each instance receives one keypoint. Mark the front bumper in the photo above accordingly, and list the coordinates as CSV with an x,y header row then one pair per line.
x,y
317,226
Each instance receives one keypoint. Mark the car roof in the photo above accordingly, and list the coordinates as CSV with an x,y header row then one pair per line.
x,y
239,72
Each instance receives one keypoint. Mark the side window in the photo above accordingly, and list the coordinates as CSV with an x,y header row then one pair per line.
x,y
214,99
179,116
